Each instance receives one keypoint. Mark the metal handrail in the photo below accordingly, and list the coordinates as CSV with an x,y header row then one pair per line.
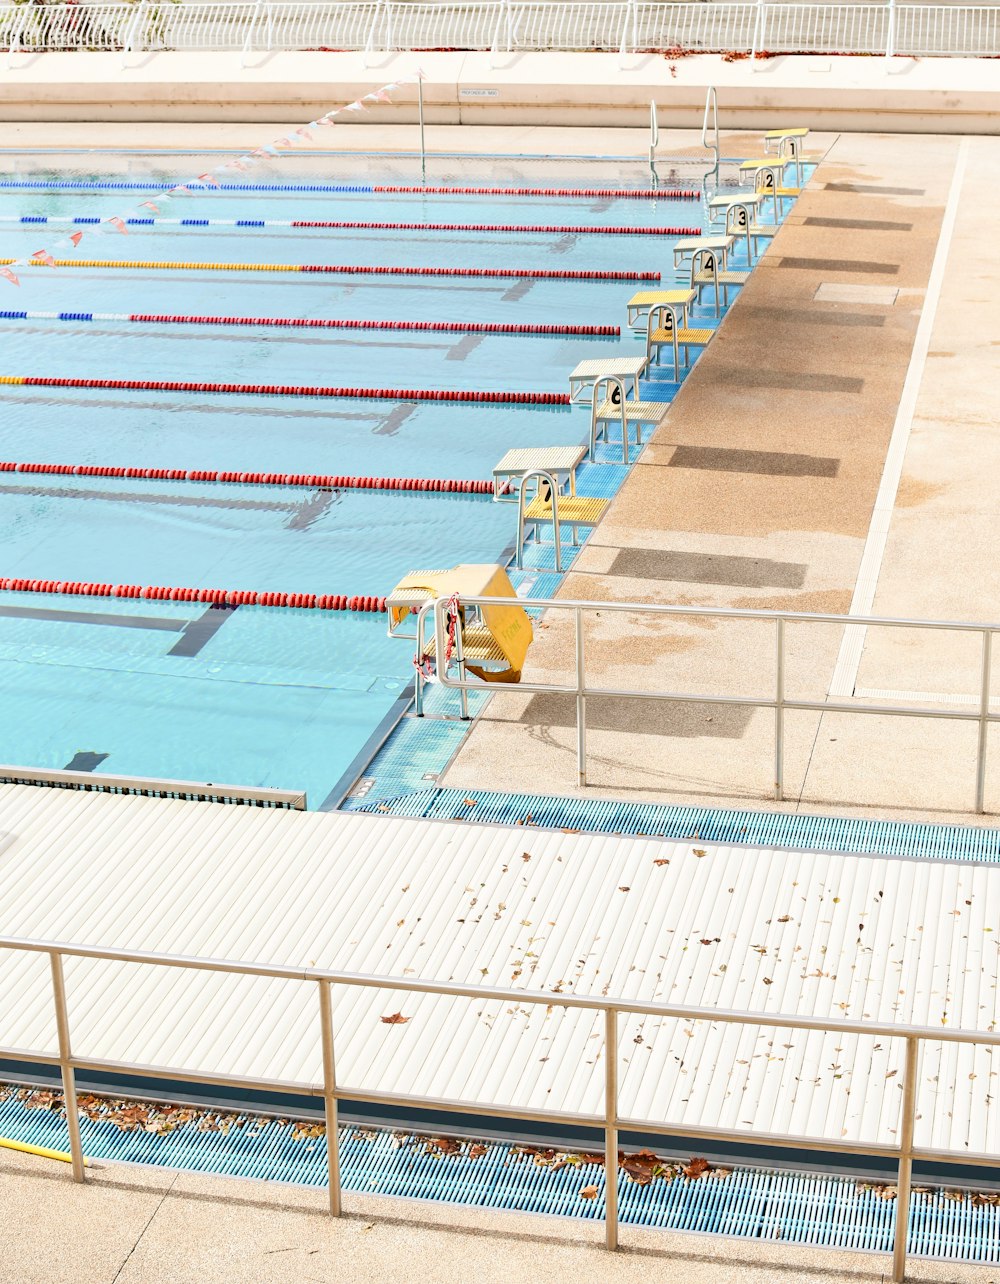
x,y
611,1120
626,26
711,103
779,702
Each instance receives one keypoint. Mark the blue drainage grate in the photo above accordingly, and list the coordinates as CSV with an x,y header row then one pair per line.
x,y
661,820
751,1203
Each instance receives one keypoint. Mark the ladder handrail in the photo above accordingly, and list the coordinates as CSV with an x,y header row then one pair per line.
x,y
540,475
711,103
654,130
610,381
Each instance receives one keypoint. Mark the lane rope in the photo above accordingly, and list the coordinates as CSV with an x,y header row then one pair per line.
x,y
213,596
339,269
323,481
129,185
322,323
292,390
60,220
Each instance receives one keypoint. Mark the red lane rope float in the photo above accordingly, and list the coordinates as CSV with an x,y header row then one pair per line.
x,y
217,597
293,390
503,227
340,269
603,193
440,327
331,481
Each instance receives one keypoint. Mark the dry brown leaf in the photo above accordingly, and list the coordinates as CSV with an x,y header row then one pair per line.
x,y
588,1192
661,863
696,1167
397,1018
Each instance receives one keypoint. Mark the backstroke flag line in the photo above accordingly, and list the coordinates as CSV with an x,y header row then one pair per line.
x,y
207,181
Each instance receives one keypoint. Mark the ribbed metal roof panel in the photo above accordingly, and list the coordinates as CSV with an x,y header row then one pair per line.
x,y
773,931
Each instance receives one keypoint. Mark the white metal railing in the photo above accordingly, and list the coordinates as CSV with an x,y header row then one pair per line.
x,y
779,701
511,25
904,1151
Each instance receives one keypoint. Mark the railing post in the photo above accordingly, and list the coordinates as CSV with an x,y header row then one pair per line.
x,y
66,1065
758,30
907,1115
581,704
611,1129
984,720
330,1098
779,711
890,35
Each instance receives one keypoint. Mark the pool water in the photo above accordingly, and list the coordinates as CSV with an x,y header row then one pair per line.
x,y
258,696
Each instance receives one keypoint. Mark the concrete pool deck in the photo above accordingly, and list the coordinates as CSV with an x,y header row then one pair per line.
x,y
859,354
151,1226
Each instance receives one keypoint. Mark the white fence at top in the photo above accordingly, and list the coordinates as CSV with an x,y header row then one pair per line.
x,y
709,26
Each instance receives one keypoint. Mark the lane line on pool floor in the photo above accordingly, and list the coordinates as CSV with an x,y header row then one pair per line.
x,y
342,269
324,323
293,390
92,220
322,481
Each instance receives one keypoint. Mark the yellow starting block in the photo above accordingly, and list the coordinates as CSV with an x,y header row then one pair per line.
x,y
705,271
484,635
667,325
639,304
611,407
774,137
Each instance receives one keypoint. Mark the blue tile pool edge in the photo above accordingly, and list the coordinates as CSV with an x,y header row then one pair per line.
x,y
790,830
754,1203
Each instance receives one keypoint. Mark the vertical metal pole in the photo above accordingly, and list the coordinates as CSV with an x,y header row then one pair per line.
x,y
908,1113
779,711
66,1065
984,720
581,704
611,1129
330,1098
420,109
890,35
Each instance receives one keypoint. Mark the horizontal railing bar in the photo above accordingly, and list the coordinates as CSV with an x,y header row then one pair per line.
x,y
725,612
448,989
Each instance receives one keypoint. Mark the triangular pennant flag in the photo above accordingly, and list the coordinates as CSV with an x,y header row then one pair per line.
x,y
304,133
118,223
208,180
43,256
148,205
76,237
8,275
356,106
382,96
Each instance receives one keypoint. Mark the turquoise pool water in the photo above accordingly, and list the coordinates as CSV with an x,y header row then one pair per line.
x,y
255,696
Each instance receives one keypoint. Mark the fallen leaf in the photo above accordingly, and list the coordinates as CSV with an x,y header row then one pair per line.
x,y
469,802
698,851
624,889
588,1192
397,1018
661,862
696,1167
526,855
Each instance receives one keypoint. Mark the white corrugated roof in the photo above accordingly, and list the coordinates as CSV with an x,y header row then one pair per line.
x,y
754,929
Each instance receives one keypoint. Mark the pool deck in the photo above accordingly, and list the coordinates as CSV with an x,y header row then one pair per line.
x,y
765,487
153,1226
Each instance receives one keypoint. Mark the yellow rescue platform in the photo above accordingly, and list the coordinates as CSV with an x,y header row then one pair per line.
x,y
497,634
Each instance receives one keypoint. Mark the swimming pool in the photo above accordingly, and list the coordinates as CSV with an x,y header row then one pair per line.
x,y
253,695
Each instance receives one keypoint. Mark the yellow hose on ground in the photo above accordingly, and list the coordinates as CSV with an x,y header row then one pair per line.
x,y
43,1151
